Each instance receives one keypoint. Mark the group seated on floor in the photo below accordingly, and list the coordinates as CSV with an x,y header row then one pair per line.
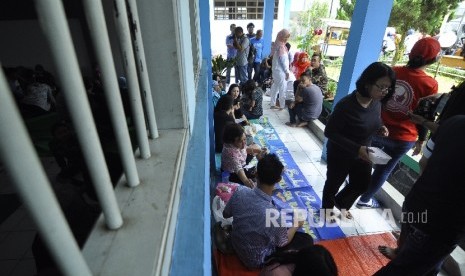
x,y
275,250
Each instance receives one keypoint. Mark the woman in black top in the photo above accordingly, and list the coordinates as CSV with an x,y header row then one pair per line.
x,y
355,119
222,116
251,100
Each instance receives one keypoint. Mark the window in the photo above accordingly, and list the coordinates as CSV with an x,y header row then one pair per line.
x,y
250,9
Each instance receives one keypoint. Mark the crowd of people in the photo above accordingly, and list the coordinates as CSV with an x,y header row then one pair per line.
x,y
381,112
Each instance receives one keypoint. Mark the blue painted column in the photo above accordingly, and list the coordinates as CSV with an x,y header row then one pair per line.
x,y
287,13
268,17
369,23
204,19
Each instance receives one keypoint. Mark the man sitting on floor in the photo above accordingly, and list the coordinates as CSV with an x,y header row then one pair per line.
x,y
308,102
252,239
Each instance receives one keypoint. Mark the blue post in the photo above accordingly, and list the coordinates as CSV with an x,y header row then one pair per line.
x,y
268,17
204,16
369,23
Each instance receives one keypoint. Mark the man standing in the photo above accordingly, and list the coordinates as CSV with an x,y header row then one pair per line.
x,y
257,43
231,54
241,43
308,102
432,217
250,34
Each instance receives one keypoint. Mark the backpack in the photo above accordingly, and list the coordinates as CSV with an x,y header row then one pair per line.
x,y
252,53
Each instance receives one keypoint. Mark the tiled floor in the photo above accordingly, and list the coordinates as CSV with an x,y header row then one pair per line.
x,y
306,150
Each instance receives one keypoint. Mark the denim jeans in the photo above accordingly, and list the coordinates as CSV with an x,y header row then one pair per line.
x,y
241,74
256,74
419,254
296,111
394,148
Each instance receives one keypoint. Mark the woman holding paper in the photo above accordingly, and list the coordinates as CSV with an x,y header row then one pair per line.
x,y
355,119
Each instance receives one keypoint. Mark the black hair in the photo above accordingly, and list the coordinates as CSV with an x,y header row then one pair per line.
x,y
316,54
239,29
225,103
307,73
269,169
455,104
248,87
310,260
288,46
371,74
232,132
232,86
250,25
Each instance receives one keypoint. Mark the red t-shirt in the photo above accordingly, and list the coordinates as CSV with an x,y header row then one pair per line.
x,y
411,85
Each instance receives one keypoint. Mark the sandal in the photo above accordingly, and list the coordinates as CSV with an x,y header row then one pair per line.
x,y
373,203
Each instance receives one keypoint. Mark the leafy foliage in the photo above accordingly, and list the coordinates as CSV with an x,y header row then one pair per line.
x,y
346,10
422,15
311,20
219,65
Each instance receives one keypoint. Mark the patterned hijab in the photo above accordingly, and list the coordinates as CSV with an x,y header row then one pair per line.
x,y
280,43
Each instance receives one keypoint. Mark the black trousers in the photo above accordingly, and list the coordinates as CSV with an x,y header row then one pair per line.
x,y
341,165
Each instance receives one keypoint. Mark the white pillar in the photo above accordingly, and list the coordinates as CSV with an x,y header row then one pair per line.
x,y
144,77
53,21
20,160
98,31
122,28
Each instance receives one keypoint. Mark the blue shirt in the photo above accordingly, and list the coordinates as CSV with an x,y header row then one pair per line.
x,y
232,52
258,44
250,237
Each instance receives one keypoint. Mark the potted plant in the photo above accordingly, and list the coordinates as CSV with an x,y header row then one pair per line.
x,y
220,64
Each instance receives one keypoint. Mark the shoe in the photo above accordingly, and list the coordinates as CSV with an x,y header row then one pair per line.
x,y
290,124
274,107
372,204
302,124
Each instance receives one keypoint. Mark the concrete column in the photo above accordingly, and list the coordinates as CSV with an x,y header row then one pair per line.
x,y
268,17
204,16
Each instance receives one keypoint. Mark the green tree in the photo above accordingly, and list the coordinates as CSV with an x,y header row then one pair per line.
x,y
346,10
422,15
418,15
308,21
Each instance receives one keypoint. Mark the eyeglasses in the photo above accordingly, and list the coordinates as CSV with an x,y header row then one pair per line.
x,y
383,88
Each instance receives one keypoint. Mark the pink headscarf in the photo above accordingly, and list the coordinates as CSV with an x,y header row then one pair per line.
x,y
280,44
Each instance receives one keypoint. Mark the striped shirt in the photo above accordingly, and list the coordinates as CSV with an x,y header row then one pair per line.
x,y
251,239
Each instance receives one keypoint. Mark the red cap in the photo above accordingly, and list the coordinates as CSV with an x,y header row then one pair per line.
x,y
428,48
